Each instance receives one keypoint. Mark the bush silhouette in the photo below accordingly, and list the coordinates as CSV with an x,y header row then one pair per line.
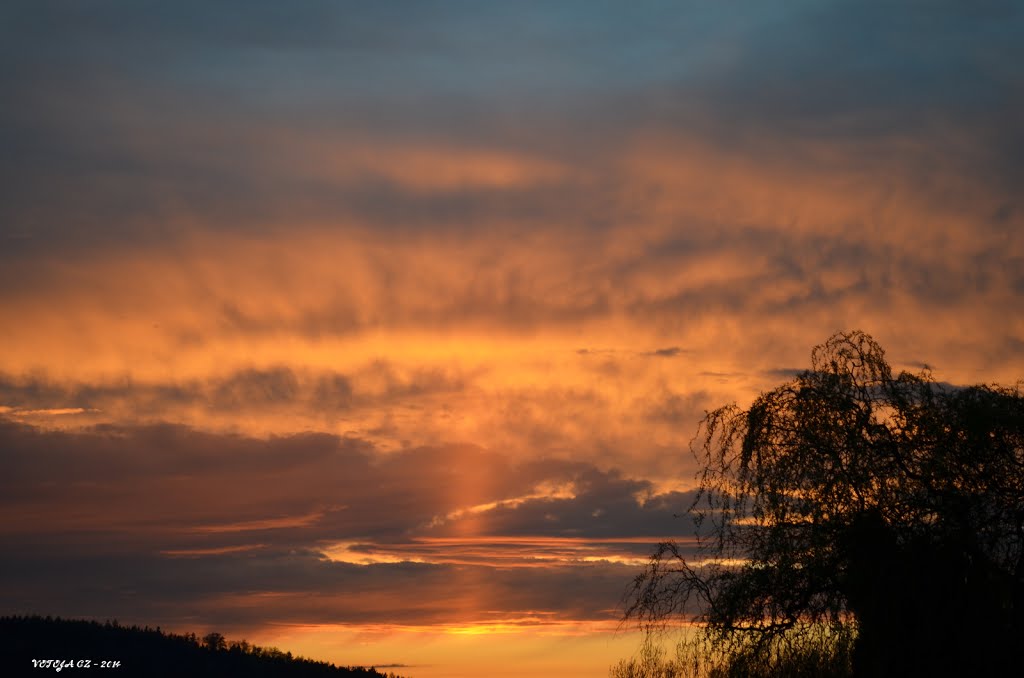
x,y
853,499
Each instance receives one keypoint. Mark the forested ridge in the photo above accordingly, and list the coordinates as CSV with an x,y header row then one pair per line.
x,y
33,645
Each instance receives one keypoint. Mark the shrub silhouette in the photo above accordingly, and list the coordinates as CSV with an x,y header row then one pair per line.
x,y
852,498
813,653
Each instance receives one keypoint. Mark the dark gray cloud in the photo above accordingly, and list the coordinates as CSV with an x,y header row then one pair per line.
x,y
669,352
235,592
605,504
279,388
161,522
875,64
134,115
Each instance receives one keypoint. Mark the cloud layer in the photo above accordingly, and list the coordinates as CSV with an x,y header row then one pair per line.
x,y
404,313
160,521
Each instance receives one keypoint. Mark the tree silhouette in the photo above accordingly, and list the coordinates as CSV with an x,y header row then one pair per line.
x,y
215,641
852,496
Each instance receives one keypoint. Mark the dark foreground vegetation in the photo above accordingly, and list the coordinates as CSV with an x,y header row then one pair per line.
x,y
41,646
851,521
819,652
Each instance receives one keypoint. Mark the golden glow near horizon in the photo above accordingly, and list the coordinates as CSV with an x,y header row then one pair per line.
x,y
533,645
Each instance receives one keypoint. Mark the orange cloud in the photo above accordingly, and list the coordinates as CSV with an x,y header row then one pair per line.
x,y
541,337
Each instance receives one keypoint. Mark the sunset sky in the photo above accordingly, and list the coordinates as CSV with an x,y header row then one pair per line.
x,y
378,331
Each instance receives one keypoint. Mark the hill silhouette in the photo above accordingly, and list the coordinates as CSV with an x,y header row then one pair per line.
x,y
27,643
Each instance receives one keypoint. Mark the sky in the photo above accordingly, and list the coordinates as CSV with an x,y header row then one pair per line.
x,y
379,331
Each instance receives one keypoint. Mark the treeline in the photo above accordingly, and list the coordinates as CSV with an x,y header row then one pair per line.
x,y
34,645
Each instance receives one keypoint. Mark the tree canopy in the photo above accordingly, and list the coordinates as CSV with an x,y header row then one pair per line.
x,y
852,496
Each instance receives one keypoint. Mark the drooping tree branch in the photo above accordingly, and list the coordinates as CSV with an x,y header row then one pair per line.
x,y
851,493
